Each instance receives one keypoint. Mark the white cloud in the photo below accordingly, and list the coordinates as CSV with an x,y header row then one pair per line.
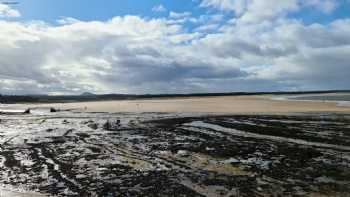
x,y
131,54
67,20
326,6
258,10
238,6
7,11
254,10
180,18
124,54
207,28
159,8
178,15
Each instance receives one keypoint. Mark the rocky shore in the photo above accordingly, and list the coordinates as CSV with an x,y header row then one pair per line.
x,y
162,154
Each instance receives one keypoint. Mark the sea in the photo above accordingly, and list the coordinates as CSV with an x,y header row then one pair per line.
x,y
341,99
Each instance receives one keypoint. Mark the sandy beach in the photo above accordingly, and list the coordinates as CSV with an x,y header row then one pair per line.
x,y
224,104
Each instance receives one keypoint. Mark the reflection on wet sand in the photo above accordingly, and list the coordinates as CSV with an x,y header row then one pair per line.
x,y
158,154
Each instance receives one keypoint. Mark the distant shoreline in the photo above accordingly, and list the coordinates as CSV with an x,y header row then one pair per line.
x,y
342,99
17,99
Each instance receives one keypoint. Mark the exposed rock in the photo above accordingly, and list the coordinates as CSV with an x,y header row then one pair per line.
x,y
93,126
53,110
174,154
27,111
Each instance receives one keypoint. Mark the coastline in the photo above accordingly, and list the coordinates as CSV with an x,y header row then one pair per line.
x,y
308,98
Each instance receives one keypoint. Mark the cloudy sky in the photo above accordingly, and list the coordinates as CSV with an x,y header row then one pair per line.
x,y
173,46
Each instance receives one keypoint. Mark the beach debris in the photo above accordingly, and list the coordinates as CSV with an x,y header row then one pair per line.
x,y
27,111
53,110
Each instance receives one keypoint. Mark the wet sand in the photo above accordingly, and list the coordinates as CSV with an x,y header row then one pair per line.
x,y
194,152
224,104
162,154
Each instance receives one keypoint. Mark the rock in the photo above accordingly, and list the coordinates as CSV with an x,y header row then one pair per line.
x,y
107,126
183,153
111,126
27,111
93,126
53,110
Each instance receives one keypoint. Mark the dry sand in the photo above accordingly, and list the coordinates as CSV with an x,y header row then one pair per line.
x,y
224,104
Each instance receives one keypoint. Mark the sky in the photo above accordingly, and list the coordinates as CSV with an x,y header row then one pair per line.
x,y
173,46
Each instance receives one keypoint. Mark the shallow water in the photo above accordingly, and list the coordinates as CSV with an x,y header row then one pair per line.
x,y
344,97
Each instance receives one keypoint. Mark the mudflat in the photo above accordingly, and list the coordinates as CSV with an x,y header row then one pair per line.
x,y
224,104
161,154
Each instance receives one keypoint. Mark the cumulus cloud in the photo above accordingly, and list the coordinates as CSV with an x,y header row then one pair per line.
x,y
7,11
119,55
131,54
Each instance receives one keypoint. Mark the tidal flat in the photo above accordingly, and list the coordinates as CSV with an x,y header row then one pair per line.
x,y
69,153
